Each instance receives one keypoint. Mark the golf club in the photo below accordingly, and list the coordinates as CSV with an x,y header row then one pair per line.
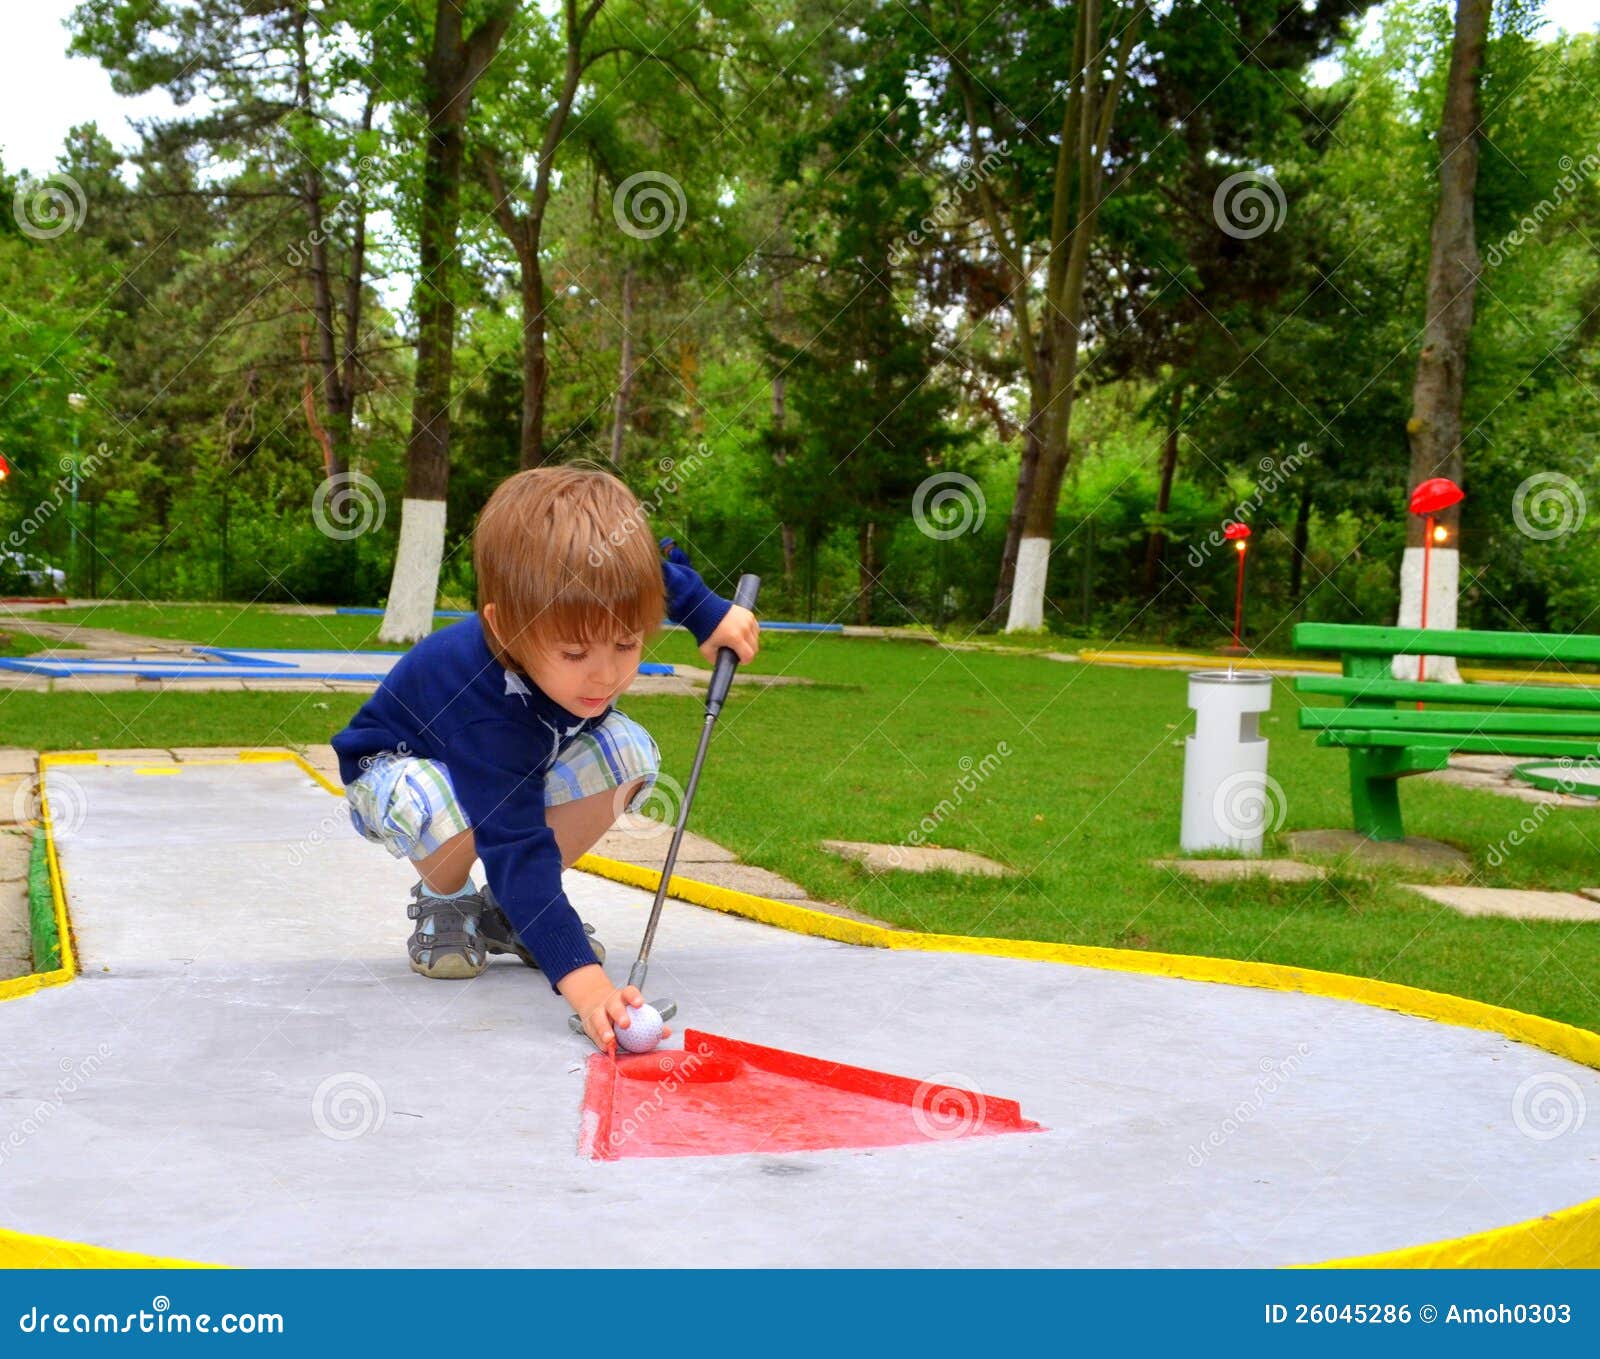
x,y
721,679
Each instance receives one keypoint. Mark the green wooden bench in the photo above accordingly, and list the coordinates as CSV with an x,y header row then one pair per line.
x,y
1387,742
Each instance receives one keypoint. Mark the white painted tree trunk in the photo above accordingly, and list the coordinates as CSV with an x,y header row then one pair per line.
x,y
1444,580
1027,590
414,586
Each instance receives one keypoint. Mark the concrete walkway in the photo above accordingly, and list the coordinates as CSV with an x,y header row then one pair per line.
x,y
18,810
640,841
257,1078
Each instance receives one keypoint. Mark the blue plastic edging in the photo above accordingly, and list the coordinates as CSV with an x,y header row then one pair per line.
x,y
241,658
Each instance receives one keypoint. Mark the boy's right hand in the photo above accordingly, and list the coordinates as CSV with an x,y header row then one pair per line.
x,y
739,630
600,1006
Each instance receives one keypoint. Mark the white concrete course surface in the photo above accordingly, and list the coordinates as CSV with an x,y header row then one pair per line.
x,y
257,1078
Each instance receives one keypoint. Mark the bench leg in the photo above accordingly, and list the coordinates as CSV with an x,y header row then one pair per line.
x,y
1375,794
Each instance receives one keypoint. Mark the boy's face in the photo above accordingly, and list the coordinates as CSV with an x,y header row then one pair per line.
x,y
584,678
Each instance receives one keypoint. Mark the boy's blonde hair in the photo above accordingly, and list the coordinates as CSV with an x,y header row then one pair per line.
x,y
565,554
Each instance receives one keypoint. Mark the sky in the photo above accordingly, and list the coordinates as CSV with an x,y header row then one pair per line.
x,y
43,92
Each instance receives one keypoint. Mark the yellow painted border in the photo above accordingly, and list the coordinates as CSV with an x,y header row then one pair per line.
x,y
18,1250
1568,1237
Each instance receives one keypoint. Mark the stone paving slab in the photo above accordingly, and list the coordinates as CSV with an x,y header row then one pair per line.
x,y
1495,774
16,850
16,945
16,942
1416,853
1235,870
1512,903
91,684
18,801
883,858
1503,785
648,846
749,878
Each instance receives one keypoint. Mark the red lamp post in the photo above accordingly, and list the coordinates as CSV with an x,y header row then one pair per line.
x,y
1239,535
1431,496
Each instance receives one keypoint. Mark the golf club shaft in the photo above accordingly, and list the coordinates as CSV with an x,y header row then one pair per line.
x,y
721,679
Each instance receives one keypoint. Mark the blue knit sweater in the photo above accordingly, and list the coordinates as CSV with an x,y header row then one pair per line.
x,y
497,733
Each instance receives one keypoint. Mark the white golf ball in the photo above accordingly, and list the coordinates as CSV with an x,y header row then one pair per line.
x,y
643,1031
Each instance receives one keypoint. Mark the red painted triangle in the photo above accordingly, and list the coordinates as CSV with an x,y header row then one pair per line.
x,y
718,1096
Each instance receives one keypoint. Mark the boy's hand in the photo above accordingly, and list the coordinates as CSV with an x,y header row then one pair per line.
x,y
738,631
601,1006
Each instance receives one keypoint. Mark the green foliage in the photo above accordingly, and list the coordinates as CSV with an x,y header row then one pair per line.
x,y
831,233
44,933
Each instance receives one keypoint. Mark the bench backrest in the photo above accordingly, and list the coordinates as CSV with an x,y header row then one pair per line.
x,y
1356,639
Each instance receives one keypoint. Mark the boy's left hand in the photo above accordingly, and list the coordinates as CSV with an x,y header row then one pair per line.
x,y
737,631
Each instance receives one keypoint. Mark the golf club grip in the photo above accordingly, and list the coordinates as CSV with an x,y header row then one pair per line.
x,y
727,659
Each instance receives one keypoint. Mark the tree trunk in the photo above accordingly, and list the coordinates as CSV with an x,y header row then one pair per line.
x,y
1156,543
619,413
866,551
334,434
355,281
1436,400
1302,541
1087,118
1027,470
525,232
535,363
1039,519
453,66
779,414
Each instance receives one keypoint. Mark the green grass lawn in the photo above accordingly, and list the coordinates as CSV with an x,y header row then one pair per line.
x,y
23,644
1074,775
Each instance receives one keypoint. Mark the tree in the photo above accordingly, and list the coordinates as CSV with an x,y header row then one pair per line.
x,y
535,85
275,75
653,98
870,417
1437,395
1130,81
457,56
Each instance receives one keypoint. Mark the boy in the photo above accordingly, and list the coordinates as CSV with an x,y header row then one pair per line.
x,y
495,737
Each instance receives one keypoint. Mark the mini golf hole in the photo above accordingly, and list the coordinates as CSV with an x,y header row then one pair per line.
x,y
679,1065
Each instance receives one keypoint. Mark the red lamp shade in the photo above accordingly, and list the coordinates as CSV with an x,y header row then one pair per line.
x,y
1234,531
5,469
1435,494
